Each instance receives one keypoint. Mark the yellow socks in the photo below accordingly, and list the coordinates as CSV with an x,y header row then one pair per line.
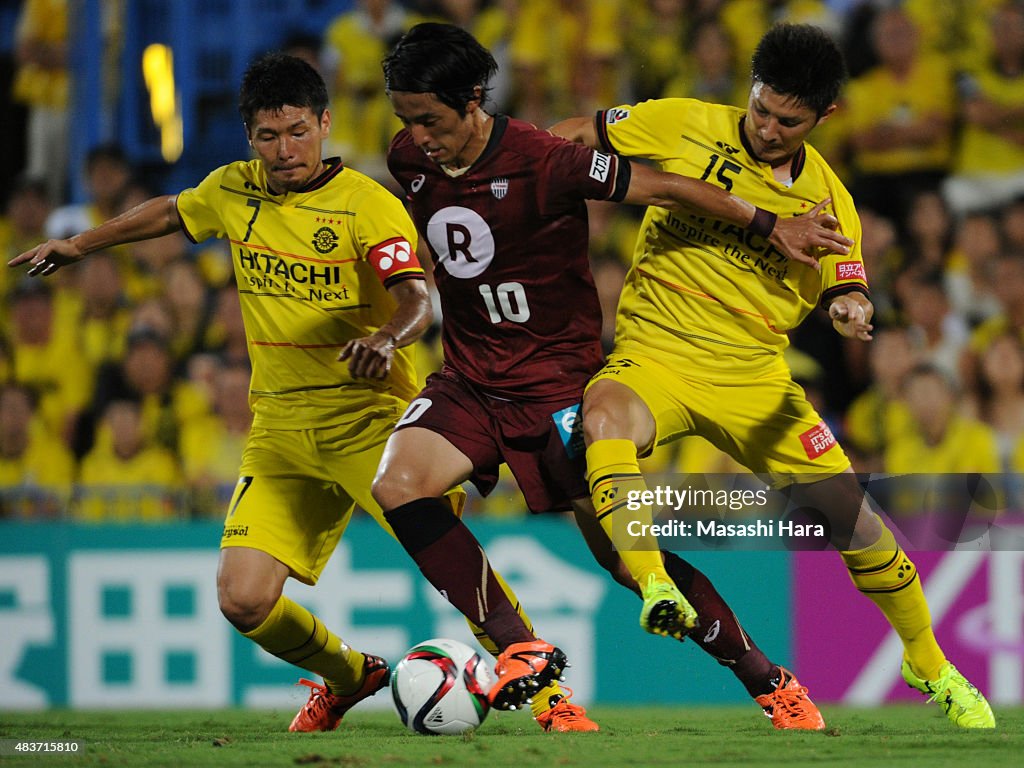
x,y
888,577
295,635
613,472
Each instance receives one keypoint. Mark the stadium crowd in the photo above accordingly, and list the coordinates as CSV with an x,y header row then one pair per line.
x,y
123,381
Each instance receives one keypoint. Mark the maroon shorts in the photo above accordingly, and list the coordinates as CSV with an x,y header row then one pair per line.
x,y
542,442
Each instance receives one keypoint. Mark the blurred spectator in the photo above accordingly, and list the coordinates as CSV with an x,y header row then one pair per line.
x,y
127,477
969,271
211,445
36,470
354,45
104,320
107,176
883,260
1008,286
879,414
146,376
939,440
142,263
748,20
303,46
1011,225
654,46
989,166
191,305
1000,394
47,357
609,276
21,228
956,29
42,84
929,233
490,22
152,315
937,334
226,333
900,117
709,70
566,57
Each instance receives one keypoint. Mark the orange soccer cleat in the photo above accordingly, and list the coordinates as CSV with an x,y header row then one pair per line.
x,y
324,710
789,707
523,669
566,718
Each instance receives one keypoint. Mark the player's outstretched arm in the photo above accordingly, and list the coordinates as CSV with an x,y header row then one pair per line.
x,y
579,129
154,218
370,357
799,238
851,315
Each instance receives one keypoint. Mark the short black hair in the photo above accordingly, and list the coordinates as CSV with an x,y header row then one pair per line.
x,y
801,61
275,80
111,151
441,59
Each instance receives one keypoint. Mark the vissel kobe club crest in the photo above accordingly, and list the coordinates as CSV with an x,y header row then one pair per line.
x,y
499,187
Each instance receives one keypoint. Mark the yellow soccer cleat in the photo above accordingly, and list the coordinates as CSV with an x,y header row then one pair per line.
x,y
962,702
665,612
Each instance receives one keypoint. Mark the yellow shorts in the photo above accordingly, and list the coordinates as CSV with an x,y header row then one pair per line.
x,y
767,424
297,489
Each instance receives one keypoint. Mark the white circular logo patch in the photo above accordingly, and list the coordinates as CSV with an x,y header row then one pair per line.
x,y
463,242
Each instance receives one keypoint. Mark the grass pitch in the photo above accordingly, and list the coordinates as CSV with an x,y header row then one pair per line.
x,y
914,735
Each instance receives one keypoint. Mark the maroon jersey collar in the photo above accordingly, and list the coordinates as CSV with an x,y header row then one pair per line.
x,y
798,160
497,131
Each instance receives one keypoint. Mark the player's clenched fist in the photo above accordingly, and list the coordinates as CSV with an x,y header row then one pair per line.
x,y
851,316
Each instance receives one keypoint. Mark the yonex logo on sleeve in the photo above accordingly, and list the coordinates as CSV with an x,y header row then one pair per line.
x,y
397,252
599,166
850,270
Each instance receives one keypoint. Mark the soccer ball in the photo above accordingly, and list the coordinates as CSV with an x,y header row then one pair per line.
x,y
440,687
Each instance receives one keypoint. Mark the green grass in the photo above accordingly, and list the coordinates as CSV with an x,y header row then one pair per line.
x,y
642,736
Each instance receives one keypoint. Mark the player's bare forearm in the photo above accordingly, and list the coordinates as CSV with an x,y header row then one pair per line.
x,y
371,356
413,315
579,129
798,237
154,218
851,315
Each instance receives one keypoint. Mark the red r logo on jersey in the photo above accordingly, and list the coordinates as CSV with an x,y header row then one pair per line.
x,y
817,440
850,270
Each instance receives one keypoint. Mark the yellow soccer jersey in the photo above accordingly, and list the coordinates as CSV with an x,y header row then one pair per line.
x,y
37,484
146,486
967,446
875,98
705,288
312,268
983,151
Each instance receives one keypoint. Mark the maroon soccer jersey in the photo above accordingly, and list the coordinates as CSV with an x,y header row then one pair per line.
x,y
509,243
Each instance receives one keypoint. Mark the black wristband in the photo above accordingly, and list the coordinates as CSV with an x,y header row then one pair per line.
x,y
763,222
